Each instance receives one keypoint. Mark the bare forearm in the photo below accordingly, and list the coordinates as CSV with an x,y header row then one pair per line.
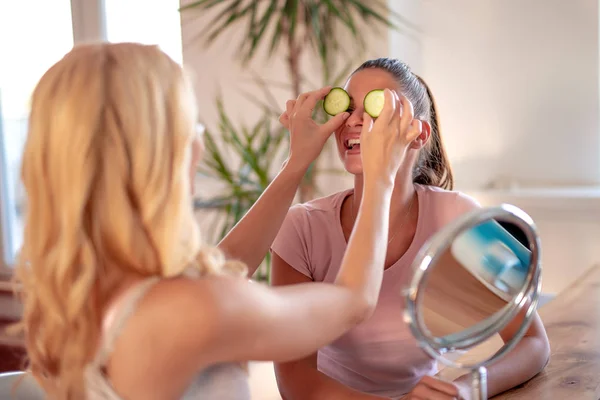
x,y
367,243
250,239
308,383
361,272
523,362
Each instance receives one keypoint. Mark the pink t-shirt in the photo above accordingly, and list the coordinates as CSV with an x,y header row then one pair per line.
x,y
379,356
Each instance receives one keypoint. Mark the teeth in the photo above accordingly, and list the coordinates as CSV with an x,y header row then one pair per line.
x,y
352,142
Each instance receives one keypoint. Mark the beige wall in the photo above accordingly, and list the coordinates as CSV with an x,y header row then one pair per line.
x,y
517,84
517,87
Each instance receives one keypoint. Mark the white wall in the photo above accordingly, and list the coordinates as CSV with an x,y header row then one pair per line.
x,y
406,43
517,86
568,222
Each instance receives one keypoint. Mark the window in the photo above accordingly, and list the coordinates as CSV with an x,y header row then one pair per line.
x,y
33,36
143,21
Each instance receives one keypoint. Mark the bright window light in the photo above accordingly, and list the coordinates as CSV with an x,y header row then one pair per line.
x,y
149,22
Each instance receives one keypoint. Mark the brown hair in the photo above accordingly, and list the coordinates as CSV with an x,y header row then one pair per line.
x,y
433,167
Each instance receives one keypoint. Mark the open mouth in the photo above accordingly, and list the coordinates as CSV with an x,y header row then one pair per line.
x,y
352,144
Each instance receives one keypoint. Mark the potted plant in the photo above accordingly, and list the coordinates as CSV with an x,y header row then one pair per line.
x,y
243,160
259,151
295,28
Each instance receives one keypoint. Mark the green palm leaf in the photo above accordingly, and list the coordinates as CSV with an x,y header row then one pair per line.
x,y
323,26
255,148
296,21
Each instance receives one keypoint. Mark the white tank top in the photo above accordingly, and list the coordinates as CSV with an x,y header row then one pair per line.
x,y
226,381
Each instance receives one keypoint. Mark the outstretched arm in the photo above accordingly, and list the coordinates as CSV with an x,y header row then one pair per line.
x,y
300,379
250,240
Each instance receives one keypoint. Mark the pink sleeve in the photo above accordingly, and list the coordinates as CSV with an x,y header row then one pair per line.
x,y
464,204
293,241
456,207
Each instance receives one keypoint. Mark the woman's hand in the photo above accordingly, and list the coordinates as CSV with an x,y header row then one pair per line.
x,y
383,143
430,388
307,138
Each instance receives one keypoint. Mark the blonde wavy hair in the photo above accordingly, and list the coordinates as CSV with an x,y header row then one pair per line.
x,y
106,172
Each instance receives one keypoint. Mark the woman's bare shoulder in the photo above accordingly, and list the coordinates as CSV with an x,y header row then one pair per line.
x,y
171,325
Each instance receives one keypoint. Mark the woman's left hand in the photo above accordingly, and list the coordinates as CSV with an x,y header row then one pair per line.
x,y
430,388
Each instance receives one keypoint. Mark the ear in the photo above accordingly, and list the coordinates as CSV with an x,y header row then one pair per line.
x,y
422,139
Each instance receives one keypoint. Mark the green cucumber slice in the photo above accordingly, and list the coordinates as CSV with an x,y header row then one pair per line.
x,y
337,101
373,102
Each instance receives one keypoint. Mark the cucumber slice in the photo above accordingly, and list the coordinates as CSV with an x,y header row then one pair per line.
x,y
337,101
374,102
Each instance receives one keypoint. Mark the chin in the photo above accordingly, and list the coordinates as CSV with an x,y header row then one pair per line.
x,y
352,162
353,167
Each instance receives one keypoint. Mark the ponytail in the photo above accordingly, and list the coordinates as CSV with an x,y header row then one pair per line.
x,y
433,166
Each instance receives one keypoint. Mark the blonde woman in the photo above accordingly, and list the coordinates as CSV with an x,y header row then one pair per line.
x,y
120,299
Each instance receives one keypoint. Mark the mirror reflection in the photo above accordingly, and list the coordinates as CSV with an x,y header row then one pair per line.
x,y
471,282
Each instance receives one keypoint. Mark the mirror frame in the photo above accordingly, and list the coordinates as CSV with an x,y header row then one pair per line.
x,y
431,251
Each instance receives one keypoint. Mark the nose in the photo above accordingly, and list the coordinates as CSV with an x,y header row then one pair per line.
x,y
354,120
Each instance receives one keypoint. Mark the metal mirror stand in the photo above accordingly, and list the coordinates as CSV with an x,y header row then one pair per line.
x,y
529,293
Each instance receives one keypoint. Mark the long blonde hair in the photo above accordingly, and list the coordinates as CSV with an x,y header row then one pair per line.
x,y
105,169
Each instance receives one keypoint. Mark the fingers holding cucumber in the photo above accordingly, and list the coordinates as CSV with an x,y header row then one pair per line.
x,y
306,102
289,106
390,108
299,113
408,115
284,118
307,136
374,101
385,140
400,116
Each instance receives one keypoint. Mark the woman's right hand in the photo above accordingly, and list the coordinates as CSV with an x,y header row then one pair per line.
x,y
384,142
307,137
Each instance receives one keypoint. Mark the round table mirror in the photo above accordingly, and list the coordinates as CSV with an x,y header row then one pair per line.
x,y
470,281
